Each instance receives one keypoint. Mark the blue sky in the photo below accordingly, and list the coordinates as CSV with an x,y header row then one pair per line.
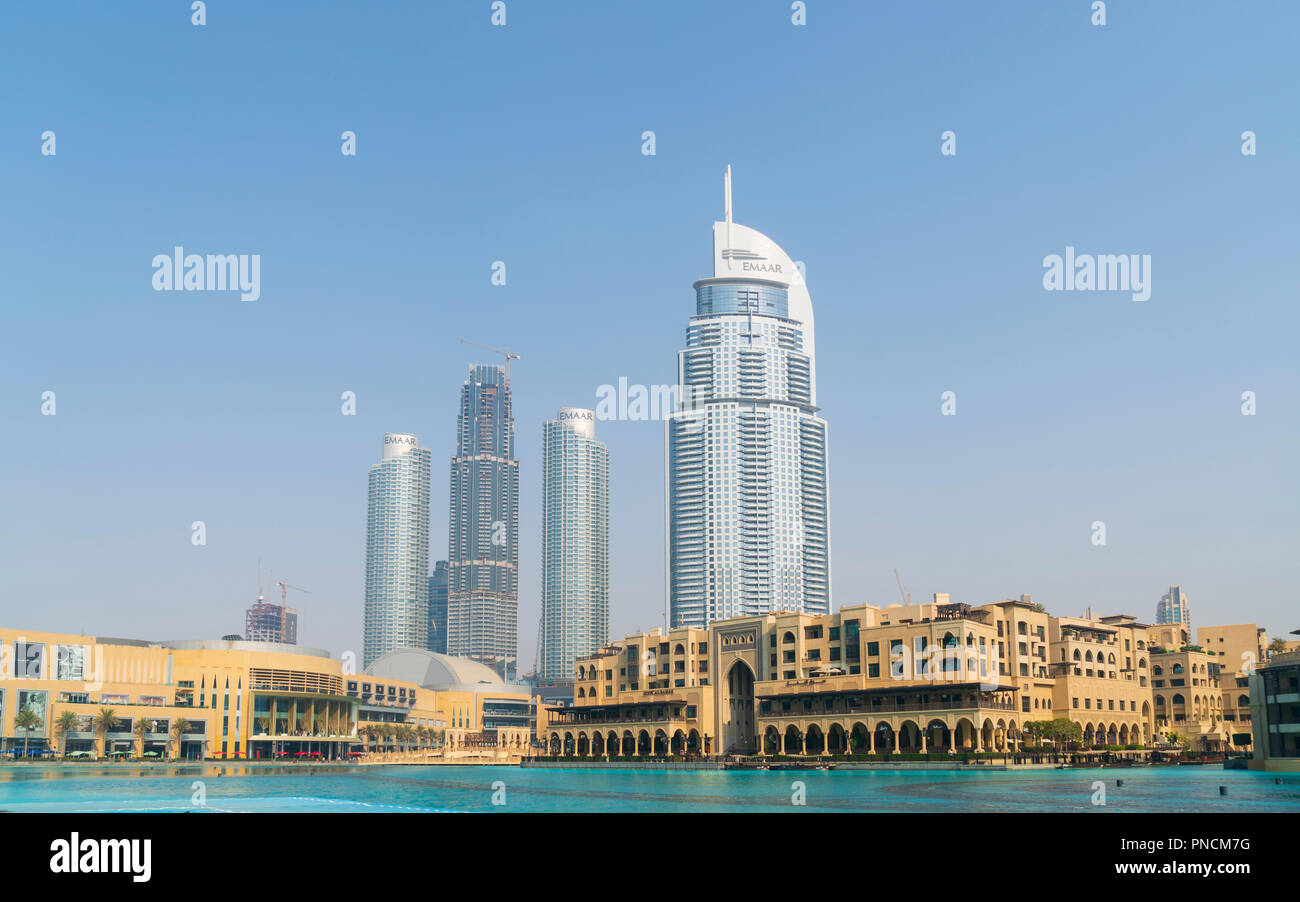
x,y
523,144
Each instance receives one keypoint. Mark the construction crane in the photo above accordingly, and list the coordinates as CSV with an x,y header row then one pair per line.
x,y
907,599
505,352
284,586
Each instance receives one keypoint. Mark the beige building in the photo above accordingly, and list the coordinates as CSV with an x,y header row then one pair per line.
x,y
1187,698
905,678
192,699
1102,671
647,694
234,699
916,678
1238,649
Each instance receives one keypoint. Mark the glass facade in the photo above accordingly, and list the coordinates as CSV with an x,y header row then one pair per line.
x,y
575,542
1173,608
397,549
483,553
438,608
746,458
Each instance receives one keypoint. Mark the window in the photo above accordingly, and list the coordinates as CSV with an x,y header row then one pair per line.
x,y
29,661
873,649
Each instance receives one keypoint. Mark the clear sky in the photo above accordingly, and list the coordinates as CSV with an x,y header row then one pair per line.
x,y
523,144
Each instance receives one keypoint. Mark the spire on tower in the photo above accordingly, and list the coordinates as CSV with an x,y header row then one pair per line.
x,y
726,190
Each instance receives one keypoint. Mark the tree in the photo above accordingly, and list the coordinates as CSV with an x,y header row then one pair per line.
x,y
1060,731
1277,646
141,730
27,720
180,727
105,720
65,723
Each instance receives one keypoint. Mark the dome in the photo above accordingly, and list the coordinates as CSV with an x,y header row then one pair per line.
x,y
432,670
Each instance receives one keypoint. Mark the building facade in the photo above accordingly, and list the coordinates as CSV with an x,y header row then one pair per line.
x,y
235,699
747,515
189,699
271,623
1102,668
1173,608
397,549
1187,697
483,557
1275,710
939,677
575,542
908,679
438,608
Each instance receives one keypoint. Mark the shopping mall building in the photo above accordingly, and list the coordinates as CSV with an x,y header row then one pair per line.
x,y
223,698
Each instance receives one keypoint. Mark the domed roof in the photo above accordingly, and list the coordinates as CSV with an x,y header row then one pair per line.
x,y
432,670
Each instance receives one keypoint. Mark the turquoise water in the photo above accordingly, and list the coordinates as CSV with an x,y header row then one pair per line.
x,y
432,789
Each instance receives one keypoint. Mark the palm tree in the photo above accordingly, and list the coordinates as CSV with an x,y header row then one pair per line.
x,y
141,730
104,721
27,720
179,728
65,724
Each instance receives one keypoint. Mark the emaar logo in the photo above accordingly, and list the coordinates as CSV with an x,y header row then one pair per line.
x,y
103,856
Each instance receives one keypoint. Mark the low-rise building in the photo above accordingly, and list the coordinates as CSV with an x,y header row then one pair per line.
x,y
236,699
1275,713
646,694
1102,672
904,678
196,698
1238,649
1187,698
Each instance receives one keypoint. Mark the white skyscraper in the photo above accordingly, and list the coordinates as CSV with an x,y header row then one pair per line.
x,y
397,549
746,450
575,542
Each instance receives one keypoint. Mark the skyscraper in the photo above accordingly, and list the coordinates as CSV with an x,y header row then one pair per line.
x,y
746,449
575,542
483,558
438,608
397,549
1173,608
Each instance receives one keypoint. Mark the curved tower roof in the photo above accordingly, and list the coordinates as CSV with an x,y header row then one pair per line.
x,y
742,252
